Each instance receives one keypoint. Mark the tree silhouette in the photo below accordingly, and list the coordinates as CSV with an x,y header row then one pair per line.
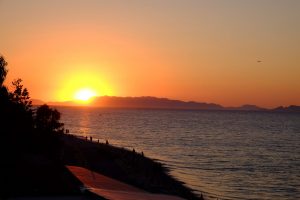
x,y
3,90
47,119
30,154
3,70
19,95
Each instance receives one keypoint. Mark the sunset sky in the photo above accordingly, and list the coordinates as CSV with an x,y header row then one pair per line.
x,y
207,51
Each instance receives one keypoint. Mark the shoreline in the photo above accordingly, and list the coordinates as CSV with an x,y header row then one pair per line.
x,y
41,172
123,165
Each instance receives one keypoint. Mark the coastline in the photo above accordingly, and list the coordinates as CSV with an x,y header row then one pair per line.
x,y
36,175
123,165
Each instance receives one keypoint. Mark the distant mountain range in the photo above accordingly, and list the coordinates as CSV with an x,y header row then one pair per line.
x,y
152,102
291,108
162,103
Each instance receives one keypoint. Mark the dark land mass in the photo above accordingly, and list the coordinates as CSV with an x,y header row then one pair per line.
x,y
37,102
246,107
165,103
124,165
39,172
292,108
151,103
62,103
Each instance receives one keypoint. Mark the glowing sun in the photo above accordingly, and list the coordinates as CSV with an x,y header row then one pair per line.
x,y
84,94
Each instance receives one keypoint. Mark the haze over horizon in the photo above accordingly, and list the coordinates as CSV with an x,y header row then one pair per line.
x,y
225,52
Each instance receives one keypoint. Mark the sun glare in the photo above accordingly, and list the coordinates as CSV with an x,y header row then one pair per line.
x,y
84,94
81,86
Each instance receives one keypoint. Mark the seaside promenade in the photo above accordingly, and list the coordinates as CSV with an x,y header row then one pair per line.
x,y
112,189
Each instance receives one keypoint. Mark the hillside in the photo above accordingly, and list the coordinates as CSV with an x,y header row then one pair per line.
x,y
151,102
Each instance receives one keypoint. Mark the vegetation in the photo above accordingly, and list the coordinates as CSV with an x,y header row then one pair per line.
x,y
47,119
20,96
30,147
3,70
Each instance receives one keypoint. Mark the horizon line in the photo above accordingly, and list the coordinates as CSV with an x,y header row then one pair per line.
x,y
156,97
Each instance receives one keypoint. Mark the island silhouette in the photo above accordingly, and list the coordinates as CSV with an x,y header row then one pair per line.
x,y
149,102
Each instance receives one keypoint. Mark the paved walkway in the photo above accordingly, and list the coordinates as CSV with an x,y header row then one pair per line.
x,y
112,189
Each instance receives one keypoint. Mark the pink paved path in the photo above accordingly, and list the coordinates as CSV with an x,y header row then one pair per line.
x,y
112,189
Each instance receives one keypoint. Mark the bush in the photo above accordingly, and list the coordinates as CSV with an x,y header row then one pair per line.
x,y
47,119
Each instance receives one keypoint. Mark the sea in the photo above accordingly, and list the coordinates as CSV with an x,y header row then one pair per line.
x,y
221,154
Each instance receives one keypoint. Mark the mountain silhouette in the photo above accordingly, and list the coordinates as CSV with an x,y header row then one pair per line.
x,y
37,102
149,102
291,108
247,107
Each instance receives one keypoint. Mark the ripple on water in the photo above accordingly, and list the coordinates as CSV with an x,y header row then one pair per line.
x,y
229,155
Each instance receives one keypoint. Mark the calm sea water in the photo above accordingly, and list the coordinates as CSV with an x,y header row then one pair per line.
x,y
222,154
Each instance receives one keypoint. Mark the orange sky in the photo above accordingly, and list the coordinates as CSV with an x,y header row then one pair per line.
x,y
190,50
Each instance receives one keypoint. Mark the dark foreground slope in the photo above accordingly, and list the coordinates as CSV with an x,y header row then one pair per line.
x,y
26,172
31,173
36,175
121,164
